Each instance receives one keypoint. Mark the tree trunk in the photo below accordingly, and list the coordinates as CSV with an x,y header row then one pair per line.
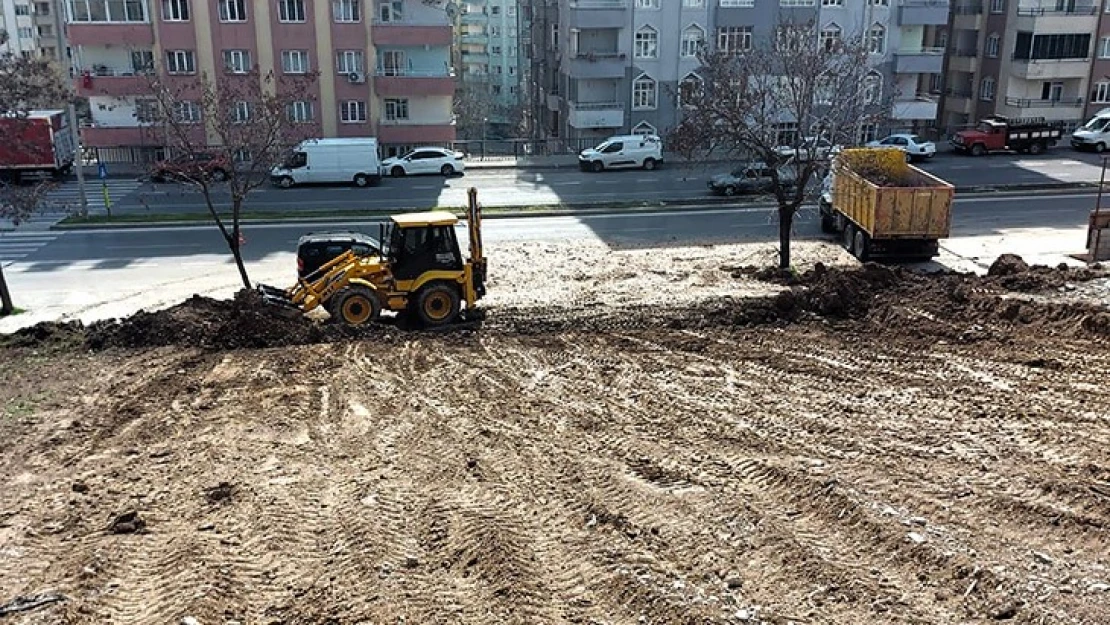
x,y
786,224
6,305
233,242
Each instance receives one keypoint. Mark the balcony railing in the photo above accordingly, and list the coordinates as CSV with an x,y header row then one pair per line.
x,y
968,8
966,52
105,70
598,4
959,92
596,55
1050,103
414,73
1057,10
598,106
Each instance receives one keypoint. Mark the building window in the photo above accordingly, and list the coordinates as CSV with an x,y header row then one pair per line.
x,y
291,10
346,10
1101,92
42,8
22,9
992,45
233,10
555,36
786,133
1064,46
181,62
175,10
391,11
186,112
832,3
1104,48
876,39
494,31
872,88
393,63
1052,91
644,129
348,61
879,3
690,90
300,111
998,6
240,112
25,32
986,89
830,37
868,133
645,93
396,109
353,112
495,10
698,3
734,4
237,61
294,61
647,4
107,11
693,40
142,61
647,43
936,83
46,30
49,52
734,39
146,110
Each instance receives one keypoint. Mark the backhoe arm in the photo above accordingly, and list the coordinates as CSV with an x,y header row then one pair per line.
x,y
477,253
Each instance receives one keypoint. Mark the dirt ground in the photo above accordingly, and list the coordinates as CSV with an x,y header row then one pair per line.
x,y
665,436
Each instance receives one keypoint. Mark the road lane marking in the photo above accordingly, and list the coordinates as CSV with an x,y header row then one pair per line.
x,y
157,246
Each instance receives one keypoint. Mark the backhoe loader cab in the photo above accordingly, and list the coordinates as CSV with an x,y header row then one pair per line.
x,y
421,270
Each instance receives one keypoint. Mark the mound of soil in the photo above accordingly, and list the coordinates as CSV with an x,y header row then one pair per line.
x,y
1008,265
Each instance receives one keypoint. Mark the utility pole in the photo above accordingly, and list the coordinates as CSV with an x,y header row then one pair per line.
x,y
71,110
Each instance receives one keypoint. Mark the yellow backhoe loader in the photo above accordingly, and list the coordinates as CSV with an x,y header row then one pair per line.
x,y
419,269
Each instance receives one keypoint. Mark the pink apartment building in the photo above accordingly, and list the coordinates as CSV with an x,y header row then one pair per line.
x,y
384,65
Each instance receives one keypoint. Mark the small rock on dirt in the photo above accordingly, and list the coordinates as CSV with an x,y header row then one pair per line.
x,y
1100,587
733,582
80,487
220,492
916,537
1043,558
189,620
1006,611
1008,265
128,523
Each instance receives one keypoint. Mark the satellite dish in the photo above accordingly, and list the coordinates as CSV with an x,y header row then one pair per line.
x,y
452,9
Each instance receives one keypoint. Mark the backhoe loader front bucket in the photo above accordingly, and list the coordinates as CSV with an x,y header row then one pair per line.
x,y
277,297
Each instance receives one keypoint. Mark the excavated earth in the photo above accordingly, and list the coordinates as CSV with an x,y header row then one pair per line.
x,y
851,446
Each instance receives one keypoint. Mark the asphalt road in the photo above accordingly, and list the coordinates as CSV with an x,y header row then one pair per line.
x,y
510,187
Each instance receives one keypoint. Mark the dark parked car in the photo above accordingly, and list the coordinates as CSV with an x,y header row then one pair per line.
x,y
749,178
315,249
193,167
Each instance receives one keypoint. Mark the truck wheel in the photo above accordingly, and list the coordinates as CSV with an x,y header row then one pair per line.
x,y
649,164
437,304
362,180
849,238
285,182
861,246
596,166
978,149
356,305
1036,148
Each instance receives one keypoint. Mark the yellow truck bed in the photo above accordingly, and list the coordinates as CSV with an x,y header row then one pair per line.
x,y
920,208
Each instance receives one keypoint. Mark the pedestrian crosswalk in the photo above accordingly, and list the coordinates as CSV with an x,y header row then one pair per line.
x,y
18,244
67,197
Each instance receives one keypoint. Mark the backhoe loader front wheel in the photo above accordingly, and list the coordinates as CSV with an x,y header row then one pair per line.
x,y
437,304
356,305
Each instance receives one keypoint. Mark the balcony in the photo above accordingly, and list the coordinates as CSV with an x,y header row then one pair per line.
x,y
964,60
1062,8
923,12
1052,109
922,107
474,38
124,34
595,114
467,56
474,17
598,13
112,81
411,34
920,61
1045,69
598,65
974,7
389,82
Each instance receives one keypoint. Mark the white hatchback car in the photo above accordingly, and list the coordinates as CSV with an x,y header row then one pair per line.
x,y
424,161
914,146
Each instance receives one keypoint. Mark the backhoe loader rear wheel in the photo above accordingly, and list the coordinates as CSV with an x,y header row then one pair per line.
x,y
356,305
437,304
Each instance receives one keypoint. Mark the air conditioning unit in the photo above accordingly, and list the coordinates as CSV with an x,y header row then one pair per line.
x,y
356,78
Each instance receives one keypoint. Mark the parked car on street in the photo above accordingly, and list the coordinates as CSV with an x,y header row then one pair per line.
x,y
1095,134
818,148
644,151
429,160
194,166
317,248
751,177
914,146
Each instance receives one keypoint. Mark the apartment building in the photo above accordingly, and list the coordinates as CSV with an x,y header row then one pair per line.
x,y
1099,79
30,28
489,59
618,65
1024,58
384,66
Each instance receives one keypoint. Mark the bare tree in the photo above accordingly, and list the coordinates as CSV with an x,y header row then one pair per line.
x,y
474,106
223,134
782,102
25,83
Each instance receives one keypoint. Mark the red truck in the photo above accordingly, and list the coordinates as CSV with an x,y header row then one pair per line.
x,y
997,134
37,142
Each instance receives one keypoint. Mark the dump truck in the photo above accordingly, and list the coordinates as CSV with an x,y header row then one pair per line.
x,y
39,141
415,266
883,207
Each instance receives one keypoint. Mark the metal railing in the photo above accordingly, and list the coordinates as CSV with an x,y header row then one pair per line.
x,y
1039,103
394,72
959,92
1058,9
597,106
1078,59
921,51
968,8
598,4
98,71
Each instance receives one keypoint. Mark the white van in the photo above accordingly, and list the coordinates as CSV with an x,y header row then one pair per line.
x,y
330,160
623,151
1095,134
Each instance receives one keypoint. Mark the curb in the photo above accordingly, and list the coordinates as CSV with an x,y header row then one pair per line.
x,y
511,212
